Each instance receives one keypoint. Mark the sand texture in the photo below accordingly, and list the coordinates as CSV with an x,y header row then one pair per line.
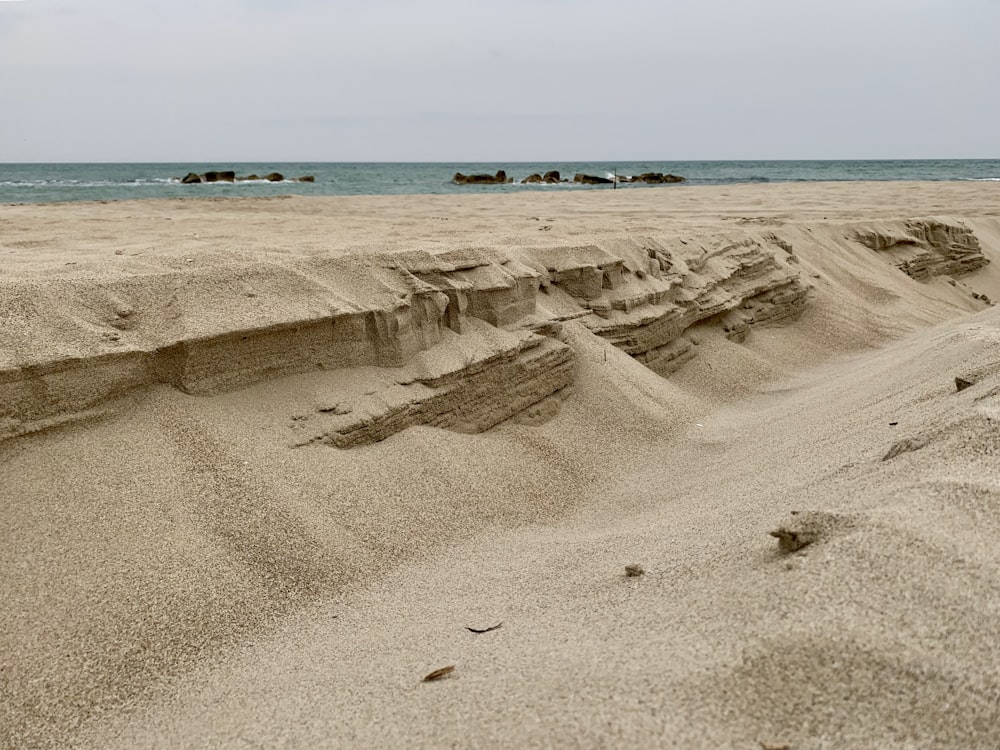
x,y
723,465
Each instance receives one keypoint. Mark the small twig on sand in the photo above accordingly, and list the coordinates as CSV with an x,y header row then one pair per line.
x,y
483,630
437,674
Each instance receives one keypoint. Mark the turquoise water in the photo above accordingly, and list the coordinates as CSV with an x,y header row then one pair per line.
x,y
47,183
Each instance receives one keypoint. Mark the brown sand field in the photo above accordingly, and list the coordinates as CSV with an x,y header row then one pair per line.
x,y
265,464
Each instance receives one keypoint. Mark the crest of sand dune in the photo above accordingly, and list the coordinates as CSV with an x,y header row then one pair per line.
x,y
273,471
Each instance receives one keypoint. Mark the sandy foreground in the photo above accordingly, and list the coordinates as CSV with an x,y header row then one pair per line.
x,y
265,463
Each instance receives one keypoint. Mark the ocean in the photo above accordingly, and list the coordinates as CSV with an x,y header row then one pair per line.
x,y
51,183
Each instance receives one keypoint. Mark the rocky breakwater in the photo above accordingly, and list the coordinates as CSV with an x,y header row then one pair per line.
x,y
656,178
649,178
590,179
500,178
228,175
551,177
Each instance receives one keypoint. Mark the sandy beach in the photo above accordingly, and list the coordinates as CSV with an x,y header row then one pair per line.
x,y
267,463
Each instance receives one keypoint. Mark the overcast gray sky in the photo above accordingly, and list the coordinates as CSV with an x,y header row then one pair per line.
x,y
497,80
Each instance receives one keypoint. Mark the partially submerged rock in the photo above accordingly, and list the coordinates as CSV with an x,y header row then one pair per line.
x,y
590,179
500,178
230,176
657,178
224,176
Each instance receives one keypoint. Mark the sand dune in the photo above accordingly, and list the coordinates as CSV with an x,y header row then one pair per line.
x,y
265,462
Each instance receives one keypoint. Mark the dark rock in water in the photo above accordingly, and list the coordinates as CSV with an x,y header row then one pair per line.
x,y
223,176
657,178
589,179
500,178
961,384
550,177
230,176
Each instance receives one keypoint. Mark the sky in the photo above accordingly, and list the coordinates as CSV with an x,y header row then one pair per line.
x,y
497,80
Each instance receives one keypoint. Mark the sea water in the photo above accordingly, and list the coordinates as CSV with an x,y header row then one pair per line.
x,y
48,183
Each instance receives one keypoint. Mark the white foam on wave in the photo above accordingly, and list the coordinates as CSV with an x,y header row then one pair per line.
x,y
83,183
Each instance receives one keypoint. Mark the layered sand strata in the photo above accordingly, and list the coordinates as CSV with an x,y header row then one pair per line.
x,y
214,320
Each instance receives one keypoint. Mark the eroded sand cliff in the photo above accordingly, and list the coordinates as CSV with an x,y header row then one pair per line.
x,y
463,339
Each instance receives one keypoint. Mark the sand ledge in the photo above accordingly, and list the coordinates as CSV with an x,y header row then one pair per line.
x,y
211,325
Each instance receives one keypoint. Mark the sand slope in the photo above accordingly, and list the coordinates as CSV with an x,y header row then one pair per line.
x,y
181,575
